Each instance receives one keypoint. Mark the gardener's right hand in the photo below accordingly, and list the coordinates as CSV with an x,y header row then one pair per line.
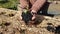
x,y
34,14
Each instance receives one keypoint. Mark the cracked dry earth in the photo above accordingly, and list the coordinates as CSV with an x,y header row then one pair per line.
x,y
11,24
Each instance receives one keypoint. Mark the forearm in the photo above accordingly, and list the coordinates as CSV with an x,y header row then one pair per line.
x,y
23,3
38,4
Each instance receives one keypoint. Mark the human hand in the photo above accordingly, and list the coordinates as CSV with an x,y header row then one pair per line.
x,y
34,14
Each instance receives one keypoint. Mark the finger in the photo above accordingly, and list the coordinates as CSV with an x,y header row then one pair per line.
x,y
33,17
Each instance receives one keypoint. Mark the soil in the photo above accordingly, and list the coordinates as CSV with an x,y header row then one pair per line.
x,y
11,24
